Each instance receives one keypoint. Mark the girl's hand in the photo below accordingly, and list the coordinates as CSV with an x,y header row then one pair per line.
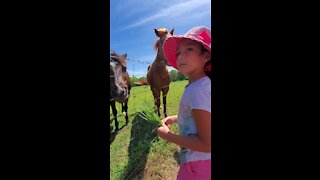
x,y
166,122
163,131
169,120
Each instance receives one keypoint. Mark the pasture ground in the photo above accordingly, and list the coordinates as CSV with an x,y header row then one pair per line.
x,y
136,152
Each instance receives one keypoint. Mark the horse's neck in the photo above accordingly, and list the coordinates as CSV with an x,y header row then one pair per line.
x,y
159,59
157,64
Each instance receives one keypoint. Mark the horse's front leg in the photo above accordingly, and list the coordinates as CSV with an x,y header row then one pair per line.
x,y
156,95
114,112
125,111
164,99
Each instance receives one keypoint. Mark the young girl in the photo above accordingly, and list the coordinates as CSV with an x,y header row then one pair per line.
x,y
190,54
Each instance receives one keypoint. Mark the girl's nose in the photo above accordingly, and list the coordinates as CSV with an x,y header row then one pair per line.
x,y
180,57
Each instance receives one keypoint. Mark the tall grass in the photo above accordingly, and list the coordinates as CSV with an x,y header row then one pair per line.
x,y
150,115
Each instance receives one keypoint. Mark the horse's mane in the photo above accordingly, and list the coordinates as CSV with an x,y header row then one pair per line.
x,y
113,53
156,45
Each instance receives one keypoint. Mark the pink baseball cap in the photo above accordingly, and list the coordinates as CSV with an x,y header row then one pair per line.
x,y
200,34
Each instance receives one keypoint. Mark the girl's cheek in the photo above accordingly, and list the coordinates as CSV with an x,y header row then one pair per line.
x,y
178,60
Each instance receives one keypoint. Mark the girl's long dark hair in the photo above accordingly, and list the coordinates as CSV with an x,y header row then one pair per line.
x,y
209,73
207,67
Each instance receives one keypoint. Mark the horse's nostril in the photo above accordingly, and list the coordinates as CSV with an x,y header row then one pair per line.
x,y
120,92
123,92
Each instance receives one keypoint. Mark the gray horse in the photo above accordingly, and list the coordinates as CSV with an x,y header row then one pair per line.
x,y
119,85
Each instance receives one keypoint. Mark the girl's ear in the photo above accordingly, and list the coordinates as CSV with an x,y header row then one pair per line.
x,y
207,56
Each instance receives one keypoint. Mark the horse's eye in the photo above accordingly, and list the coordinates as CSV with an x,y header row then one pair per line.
x,y
124,69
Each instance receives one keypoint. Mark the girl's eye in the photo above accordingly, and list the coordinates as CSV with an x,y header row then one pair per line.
x,y
189,49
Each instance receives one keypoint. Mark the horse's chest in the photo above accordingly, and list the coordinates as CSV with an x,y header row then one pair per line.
x,y
159,75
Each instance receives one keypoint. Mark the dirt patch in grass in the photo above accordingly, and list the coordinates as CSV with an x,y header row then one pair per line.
x,y
168,173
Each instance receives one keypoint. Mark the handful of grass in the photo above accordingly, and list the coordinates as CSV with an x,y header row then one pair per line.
x,y
150,116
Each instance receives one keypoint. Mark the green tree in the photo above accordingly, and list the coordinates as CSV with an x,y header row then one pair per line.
x,y
177,76
173,75
181,77
142,79
133,79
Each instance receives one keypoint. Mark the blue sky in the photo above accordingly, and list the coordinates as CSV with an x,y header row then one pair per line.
x,y
132,24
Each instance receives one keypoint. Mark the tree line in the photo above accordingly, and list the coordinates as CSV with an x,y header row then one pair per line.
x,y
174,75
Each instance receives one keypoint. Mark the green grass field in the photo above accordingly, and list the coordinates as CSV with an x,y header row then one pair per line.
x,y
136,152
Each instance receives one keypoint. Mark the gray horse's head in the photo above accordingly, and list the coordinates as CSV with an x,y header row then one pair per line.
x,y
119,78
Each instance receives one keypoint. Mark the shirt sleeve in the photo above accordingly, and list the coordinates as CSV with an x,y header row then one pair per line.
x,y
201,99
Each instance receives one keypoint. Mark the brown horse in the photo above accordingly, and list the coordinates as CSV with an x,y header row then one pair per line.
x,y
158,76
119,85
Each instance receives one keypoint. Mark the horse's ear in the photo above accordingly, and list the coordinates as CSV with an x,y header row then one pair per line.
x,y
157,32
124,55
171,32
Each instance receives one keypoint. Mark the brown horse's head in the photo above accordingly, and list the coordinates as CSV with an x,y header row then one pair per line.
x,y
163,34
119,78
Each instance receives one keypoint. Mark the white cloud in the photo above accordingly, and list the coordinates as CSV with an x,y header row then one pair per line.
x,y
180,9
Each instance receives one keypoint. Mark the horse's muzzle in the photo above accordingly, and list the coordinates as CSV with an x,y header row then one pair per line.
x,y
121,95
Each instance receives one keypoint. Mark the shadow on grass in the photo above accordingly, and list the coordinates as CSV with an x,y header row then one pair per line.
x,y
114,133
142,134
176,157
